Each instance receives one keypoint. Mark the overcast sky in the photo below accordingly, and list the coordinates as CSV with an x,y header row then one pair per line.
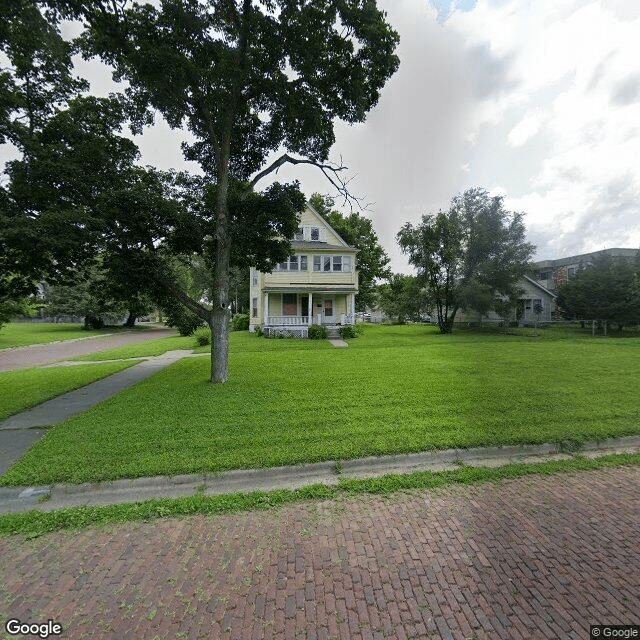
x,y
536,99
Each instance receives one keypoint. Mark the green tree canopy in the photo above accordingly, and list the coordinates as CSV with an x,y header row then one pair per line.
x,y
469,254
402,297
246,79
357,231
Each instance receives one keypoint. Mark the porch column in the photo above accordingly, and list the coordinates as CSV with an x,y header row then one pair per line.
x,y
353,306
310,308
265,315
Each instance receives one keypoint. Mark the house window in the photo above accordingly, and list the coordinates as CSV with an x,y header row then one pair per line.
x,y
544,275
254,307
303,263
299,234
315,233
291,264
332,263
289,304
571,271
254,278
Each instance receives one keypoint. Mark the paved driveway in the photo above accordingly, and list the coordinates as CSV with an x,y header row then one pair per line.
x,y
33,356
537,557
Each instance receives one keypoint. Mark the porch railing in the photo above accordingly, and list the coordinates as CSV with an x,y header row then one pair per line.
x,y
286,321
303,321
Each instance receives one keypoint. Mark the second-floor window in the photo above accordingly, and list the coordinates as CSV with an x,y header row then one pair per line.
x,y
294,263
299,234
315,233
332,263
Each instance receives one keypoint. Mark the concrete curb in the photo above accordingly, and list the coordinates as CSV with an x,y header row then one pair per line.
x,y
16,499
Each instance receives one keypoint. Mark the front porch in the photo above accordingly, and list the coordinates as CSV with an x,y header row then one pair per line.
x,y
292,313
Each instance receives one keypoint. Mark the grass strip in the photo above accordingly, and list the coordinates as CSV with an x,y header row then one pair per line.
x,y
151,347
36,523
26,388
241,341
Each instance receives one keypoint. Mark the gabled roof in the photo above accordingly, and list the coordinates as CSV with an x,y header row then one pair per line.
x,y
537,284
321,220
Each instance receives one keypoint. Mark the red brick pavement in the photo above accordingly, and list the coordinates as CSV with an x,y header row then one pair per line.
x,y
537,557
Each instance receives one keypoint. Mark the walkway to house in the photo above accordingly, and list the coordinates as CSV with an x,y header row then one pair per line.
x,y
20,432
528,558
35,355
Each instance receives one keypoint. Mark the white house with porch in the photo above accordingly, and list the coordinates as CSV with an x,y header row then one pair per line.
x,y
316,285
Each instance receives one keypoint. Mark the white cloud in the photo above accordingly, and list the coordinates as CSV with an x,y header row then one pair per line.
x,y
570,80
525,129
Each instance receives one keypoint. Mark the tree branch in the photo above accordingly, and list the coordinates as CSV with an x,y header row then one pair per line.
x,y
331,171
200,310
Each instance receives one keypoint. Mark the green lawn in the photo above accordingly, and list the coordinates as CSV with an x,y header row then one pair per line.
x,y
25,388
20,334
394,390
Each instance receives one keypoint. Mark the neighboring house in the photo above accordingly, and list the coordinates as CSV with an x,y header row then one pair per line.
x,y
532,292
316,285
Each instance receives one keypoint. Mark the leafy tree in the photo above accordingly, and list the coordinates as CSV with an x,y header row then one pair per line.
x,y
402,297
357,231
12,307
35,80
469,254
608,289
246,79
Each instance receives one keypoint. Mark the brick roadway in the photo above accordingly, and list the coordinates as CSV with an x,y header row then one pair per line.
x,y
33,356
537,557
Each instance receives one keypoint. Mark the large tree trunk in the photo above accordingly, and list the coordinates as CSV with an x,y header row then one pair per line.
x,y
220,314
131,320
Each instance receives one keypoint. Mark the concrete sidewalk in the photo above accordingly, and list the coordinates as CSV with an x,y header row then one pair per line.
x,y
14,499
19,432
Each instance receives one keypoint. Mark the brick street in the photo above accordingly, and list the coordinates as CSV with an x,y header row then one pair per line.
x,y
536,557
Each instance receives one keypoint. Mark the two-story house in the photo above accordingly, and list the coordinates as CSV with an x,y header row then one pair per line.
x,y
316,285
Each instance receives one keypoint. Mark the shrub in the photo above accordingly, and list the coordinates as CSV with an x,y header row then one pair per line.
x,y
240,322
350,331
317,332
91,321
202,336
259,332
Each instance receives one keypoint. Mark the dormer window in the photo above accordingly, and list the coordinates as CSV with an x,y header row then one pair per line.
x,y
315,234
299,234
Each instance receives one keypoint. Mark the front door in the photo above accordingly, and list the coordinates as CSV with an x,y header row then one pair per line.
x,y
327,316
304,306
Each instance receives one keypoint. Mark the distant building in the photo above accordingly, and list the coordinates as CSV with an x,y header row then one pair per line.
x,y
551,273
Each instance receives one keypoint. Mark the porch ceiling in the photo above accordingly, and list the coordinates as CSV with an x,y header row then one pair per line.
x,y
310,289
